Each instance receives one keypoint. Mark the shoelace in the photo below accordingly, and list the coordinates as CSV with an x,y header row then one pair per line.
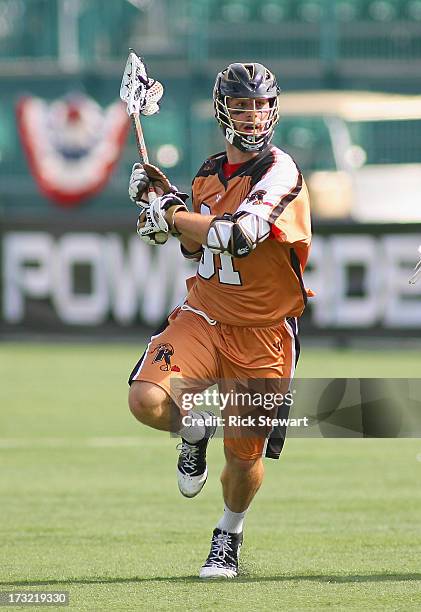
x,y
189,456
220,548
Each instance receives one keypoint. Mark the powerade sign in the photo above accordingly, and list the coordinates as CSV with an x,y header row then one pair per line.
x,y
88,278
361,281
109,279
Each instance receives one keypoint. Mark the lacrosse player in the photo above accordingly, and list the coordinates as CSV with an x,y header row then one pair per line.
x,y
250,234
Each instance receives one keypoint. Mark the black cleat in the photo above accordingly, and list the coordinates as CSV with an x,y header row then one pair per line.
x,y
192,470
222,561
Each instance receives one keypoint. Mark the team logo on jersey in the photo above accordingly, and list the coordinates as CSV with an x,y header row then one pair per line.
x,y
256,197
164,352
209,165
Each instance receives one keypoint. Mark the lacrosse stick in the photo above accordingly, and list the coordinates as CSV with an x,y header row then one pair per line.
x,y
417,271
141,95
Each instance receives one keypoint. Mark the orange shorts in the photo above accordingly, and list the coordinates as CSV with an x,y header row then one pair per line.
x,y
188,354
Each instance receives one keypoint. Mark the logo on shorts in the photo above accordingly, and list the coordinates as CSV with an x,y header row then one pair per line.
x,y
164,352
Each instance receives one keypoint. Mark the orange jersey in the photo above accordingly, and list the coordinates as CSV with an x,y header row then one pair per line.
x,y
266,286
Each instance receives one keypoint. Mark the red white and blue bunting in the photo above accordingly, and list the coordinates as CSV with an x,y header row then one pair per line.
x,y
72,144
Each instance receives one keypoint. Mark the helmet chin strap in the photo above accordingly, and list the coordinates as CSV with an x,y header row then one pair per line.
x,y
243,144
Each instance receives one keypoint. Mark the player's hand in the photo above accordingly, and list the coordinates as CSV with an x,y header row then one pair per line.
x,y
148,231
144,175
156,221
138,185
163,209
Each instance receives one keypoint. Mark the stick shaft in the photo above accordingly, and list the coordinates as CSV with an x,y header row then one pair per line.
x,y
141,149
140,140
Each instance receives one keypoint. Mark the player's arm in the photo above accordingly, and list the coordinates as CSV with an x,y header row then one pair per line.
x,y
281,198
234,235
277,206
192,227
191,230
142,176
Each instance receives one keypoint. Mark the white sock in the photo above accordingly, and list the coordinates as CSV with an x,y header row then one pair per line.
x,y
193,432
231,521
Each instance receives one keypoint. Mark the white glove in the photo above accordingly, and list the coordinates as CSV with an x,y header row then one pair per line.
x,y
142,176
152,223
138,185
147,230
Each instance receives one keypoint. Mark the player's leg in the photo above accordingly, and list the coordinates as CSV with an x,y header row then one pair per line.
x,y
178,357
243,473
240,479
152,406
149,403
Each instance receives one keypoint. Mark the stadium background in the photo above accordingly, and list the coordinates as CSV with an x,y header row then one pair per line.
x,y
59,49
80,481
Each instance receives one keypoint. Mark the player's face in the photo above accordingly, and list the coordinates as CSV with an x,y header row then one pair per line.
x,y
249,115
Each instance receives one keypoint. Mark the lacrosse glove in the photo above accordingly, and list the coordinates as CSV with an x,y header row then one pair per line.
x,y
145,174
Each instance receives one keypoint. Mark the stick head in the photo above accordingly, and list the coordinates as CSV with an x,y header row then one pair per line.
x,y
138,91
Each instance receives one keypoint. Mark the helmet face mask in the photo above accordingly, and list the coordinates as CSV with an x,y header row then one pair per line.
x,y
249,90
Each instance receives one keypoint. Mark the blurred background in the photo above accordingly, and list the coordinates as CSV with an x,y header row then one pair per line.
x,y
80,294
350,76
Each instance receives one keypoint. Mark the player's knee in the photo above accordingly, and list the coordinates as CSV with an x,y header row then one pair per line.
x,y
239,460
145,400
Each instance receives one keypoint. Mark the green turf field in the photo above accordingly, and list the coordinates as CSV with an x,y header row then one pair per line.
x,y
89,501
